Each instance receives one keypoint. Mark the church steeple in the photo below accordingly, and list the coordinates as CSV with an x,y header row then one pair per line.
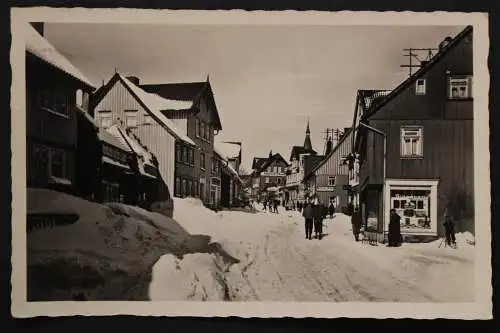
x,y
307,141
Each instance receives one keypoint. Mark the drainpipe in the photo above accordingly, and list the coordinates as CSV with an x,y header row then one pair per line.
x,y
384,168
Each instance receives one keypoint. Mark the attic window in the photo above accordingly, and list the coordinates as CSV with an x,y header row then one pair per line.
x,y
131,118
420,87
147,119
460,87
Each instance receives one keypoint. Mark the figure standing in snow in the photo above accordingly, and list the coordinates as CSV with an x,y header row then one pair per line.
x,y
276,203
308,214
264,203
449,227
318,219
331,209
394,229
356,223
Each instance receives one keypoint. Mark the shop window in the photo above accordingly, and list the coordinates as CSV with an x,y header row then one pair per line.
x,y
131,118
420,87
460,87
331,181
411,141
413,206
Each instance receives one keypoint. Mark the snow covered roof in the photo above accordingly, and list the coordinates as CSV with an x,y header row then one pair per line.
x,y
86,115
106,136
40,47
156,104
234,172
147,157
219,152
229,150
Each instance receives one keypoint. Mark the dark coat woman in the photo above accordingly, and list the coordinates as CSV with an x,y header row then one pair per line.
x,y
308,214
394,229
356,223
331,209
319,214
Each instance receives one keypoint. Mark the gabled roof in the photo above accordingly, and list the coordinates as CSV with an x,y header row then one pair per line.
x,y
311,162
189,92
424,69
258,162
229,150
152,103
275,157
179,91
40,47
327,157
298,150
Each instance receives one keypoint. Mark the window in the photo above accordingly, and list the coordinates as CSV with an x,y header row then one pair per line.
x,y
185,154
49,161
202,161
412,141
105,119
331,181
460,87
279,181
131,118
207,132
184,187
147,119
191,156
53,101
191,188
197,124
177,186
178,152
420,87
79,97
202,129
267,180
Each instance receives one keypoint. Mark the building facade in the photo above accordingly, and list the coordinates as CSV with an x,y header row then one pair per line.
x,y
122,101
199,118
329,178
415,147
269,173
52,84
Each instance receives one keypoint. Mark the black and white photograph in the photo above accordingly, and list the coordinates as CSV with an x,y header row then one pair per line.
x,y
242,163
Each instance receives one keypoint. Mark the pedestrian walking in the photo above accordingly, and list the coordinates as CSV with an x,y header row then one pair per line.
x,y
318,219
276,204
449,229
308,214
394,229
331,209
264,204
356,223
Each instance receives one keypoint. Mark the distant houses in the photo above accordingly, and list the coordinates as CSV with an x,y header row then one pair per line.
x,y
124,142
268,176
413,147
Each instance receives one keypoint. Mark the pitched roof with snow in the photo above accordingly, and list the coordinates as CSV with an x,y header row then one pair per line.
x,y
40,47
106,136
155,104
146,157
229,150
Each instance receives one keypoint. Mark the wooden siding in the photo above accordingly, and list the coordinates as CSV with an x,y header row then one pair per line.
x,y
333,165
42,124
158,140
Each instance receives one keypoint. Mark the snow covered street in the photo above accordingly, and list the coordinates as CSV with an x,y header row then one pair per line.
x,y
274,262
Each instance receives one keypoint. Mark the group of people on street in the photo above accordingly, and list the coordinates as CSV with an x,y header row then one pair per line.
x,y
271,204
313,213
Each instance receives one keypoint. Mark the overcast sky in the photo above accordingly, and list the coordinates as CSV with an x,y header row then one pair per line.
x,y
266,79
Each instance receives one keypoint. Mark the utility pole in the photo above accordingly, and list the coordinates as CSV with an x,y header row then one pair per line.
x,y
414,53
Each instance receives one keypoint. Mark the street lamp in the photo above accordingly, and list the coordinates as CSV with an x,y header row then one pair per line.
x,y
384,135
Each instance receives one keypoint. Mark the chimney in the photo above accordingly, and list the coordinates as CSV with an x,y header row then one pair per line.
x,y
270,153
38,27
328,147
445,42
134,80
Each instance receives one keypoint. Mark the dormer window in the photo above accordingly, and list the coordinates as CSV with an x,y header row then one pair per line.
x,y
420,87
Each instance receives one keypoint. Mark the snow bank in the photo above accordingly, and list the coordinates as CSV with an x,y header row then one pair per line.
x,y
107,254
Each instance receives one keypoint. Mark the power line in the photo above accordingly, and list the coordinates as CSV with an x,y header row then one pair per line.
x,y
415,55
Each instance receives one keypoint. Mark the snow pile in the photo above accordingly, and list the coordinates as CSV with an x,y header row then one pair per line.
x,y
107,254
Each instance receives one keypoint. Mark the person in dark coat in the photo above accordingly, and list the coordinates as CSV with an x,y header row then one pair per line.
x,y
318,219
308,214
394,229
276,203
449,229
331,209
356,223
